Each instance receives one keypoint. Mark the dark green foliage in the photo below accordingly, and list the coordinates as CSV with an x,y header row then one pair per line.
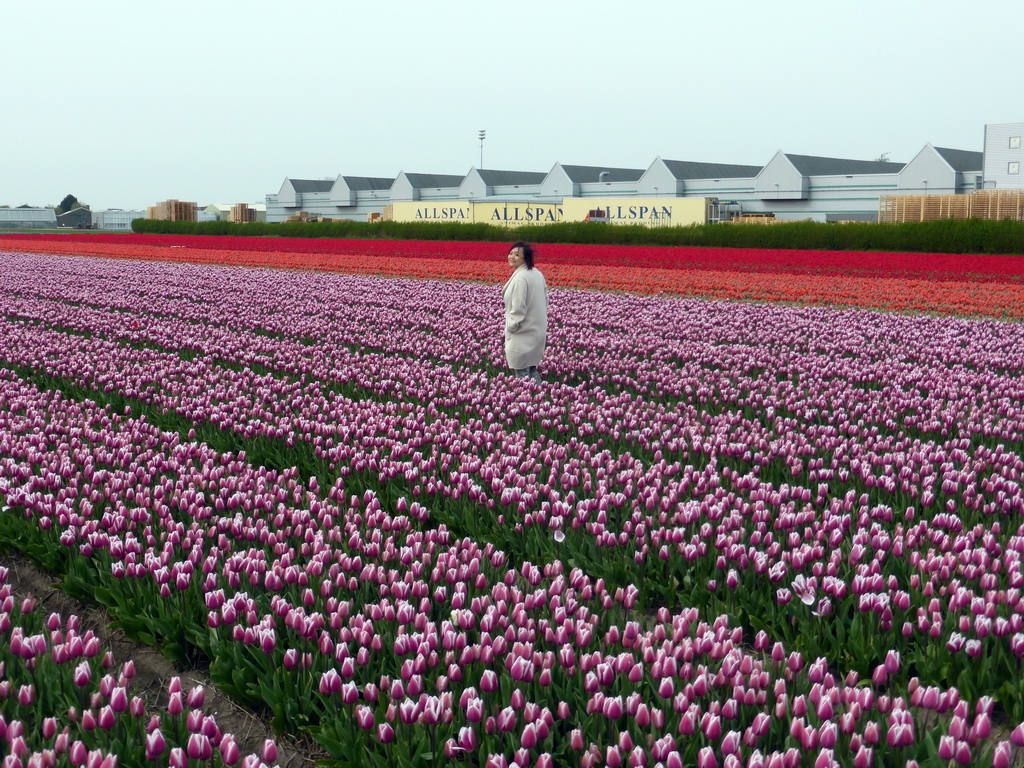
x,y
946,236
69,202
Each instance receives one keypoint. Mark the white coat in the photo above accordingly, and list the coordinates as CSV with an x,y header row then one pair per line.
x,y
526,318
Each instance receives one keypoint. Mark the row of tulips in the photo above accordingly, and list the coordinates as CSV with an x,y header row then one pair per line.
x,y
722,533
933,266
918,284
395,642
64,701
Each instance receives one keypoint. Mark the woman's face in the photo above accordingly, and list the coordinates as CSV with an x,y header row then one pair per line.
x,y
515,258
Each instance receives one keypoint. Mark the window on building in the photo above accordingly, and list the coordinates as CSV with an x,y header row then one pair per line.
x,y
1013,168
1015,142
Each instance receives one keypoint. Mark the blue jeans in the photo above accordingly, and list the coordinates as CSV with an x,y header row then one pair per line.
x,y
528,373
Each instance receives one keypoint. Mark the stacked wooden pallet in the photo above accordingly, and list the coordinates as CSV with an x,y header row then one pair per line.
x,y
999,204
758,218
173,210
241,213
983,204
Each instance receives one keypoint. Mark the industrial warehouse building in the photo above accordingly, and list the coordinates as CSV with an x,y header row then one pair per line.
x,y
26,217
788,187
116,218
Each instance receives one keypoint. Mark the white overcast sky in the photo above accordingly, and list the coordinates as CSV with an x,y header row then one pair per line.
x,y
124,104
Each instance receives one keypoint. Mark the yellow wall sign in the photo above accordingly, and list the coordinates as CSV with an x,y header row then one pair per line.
x,y
517,214
454,210
651,212
648,211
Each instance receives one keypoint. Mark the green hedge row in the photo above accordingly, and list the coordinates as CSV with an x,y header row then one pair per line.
x,y
947,236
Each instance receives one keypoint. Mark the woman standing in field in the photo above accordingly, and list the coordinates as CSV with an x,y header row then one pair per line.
x,y
526,313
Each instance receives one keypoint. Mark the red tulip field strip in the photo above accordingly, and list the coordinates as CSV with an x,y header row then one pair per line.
x,y
959,285
844,485
902,265
64,702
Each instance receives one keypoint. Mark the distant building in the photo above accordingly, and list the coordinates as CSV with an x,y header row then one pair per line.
x,y
172,210
426,186
346,197
672,178
76,218
788,187
507,185
116,218
214,212
27,217
231,212
590,181
941,171
1004,156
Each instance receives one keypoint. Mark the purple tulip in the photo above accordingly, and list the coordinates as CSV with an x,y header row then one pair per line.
x,y
892,662
155,745
269,751
107,719
506,720
26,695
228,748
176,704
83,674
364,717
1017,736
199,747
962,753
576,740
706,758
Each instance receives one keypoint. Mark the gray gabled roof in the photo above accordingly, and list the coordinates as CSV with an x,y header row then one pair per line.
x,y
586,174
438,180
26,213
962,160
809,165
75,212
683,169
509,178
361,183
311,185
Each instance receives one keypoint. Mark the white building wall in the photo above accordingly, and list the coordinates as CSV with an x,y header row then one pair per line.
x,y
525,191
780,180
724,189
116,218
927,174
659,181
610,189
1004,156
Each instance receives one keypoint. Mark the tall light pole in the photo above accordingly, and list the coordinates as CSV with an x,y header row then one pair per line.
x,y
483,135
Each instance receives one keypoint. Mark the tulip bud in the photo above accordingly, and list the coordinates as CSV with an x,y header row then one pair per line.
x,y
155,745
269,752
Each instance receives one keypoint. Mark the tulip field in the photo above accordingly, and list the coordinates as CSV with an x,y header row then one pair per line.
x,y
65,702
761,513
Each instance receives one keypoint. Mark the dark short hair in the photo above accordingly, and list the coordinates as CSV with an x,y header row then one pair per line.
x,y
527,252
